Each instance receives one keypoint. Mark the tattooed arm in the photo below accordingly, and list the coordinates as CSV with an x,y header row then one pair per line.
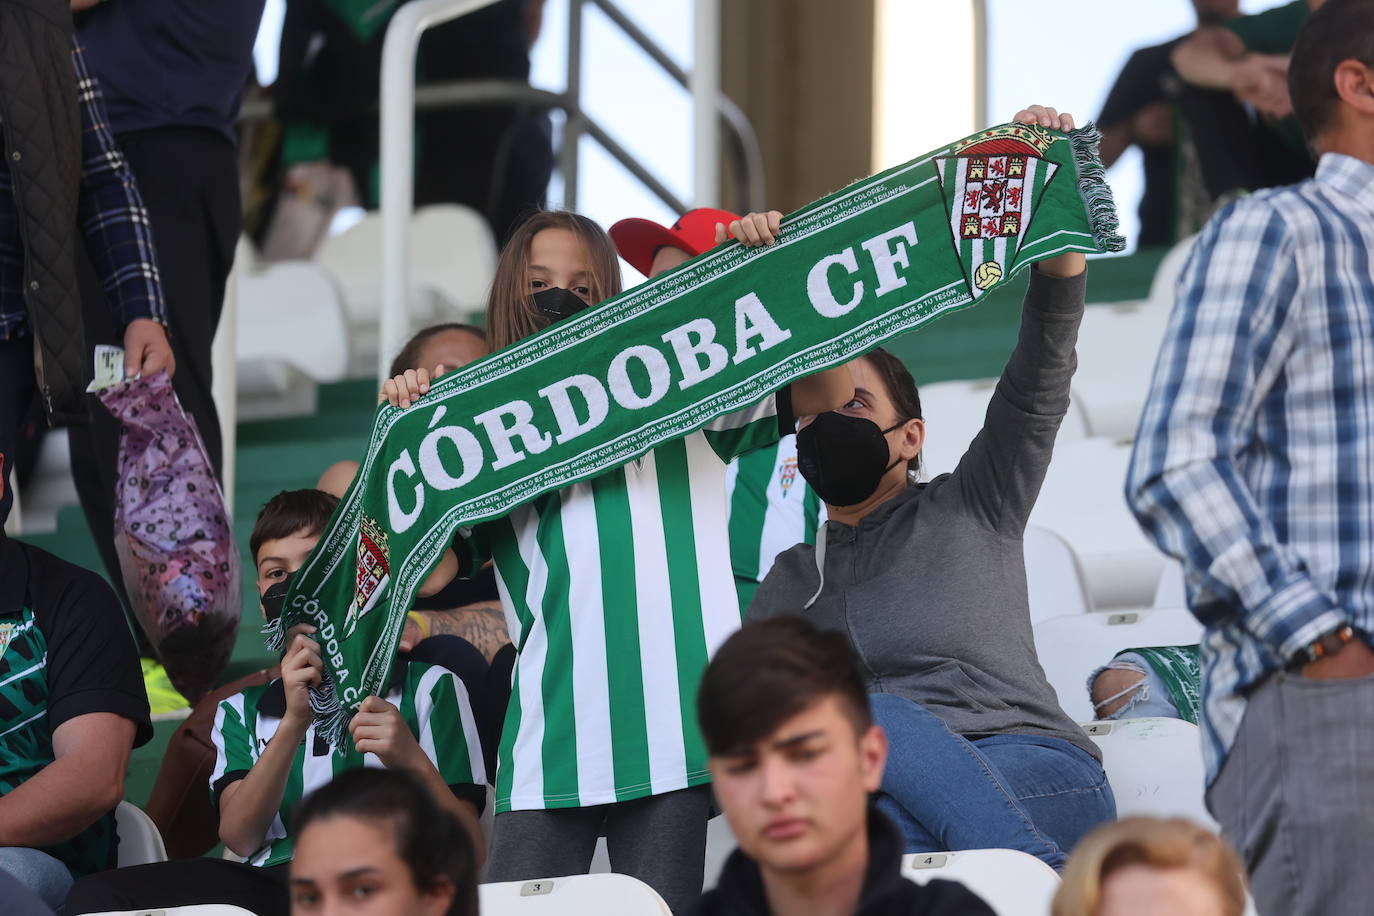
x,y
481,623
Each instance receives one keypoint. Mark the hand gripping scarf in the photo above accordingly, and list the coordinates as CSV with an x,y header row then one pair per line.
x,y
882,257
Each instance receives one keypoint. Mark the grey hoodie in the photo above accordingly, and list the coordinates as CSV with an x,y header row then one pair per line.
x,y
931,586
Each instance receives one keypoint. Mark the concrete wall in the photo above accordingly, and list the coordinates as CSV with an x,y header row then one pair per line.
x,y
802,70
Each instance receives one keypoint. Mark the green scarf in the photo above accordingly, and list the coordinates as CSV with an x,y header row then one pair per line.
x,y
884,256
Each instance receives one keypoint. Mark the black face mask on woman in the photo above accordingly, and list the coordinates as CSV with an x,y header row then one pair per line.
x,y
557,303
843,458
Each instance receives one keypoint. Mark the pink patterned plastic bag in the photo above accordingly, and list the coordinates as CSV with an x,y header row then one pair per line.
x,y
176,548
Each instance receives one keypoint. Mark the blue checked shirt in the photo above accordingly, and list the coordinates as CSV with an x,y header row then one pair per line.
x,y
110,215
1254,463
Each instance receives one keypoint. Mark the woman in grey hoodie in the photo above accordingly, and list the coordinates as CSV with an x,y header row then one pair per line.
x,y
929,582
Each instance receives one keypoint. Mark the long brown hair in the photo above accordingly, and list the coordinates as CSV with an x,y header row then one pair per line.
x,y
1153,842
511,313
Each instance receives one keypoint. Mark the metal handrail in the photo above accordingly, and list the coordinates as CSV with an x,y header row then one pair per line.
x,y
397,167
399,99
746,141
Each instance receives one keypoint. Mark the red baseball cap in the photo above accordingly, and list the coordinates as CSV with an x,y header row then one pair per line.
x,y
638,240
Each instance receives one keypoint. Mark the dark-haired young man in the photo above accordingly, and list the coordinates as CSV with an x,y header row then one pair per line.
x,y
1255,466
794,756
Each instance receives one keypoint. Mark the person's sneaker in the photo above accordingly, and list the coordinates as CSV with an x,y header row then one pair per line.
x,y
163,699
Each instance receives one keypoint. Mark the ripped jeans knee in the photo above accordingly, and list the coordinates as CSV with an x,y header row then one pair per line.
x,y
1144,696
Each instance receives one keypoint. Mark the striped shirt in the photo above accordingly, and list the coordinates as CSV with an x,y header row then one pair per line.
x,y
110,215
771,508
616,592
432,702
1254,463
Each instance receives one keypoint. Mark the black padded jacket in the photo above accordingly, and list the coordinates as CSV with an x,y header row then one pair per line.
x,y
41,123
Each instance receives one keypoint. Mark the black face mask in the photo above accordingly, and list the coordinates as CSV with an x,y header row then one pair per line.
x,y
843,458
275,597
557,303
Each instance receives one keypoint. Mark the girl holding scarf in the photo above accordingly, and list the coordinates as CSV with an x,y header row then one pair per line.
x,y
616,591
929,582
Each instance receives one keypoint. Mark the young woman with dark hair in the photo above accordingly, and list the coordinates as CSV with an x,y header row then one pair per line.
x,y
373,843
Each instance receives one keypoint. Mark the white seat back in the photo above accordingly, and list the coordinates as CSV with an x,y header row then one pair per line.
x,y
1117,345
353,258
1011,882
140,842
1170,592
1154,767
1073,646
1166,274
575,895
1083,501
291,313
954,413
453,255
1054,580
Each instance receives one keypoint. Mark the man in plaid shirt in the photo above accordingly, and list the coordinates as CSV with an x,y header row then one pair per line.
x,y
114,226
1254,466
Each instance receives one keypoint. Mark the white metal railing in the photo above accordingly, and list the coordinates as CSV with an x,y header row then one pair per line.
x,y
397,167
399,98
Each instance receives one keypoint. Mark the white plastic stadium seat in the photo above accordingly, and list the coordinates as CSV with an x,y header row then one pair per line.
x,y
140,842
452,260
1170,591
954,413
1165,283
354,259
1117,345
453,256
1073,646
1154,767
292,334
1011,882
576,895
1083,501
1054,580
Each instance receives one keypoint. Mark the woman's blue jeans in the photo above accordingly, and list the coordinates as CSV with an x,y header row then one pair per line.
x,y
1028,792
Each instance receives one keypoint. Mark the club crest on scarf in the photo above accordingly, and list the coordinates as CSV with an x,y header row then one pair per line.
x,y
6,634
992,185
374,571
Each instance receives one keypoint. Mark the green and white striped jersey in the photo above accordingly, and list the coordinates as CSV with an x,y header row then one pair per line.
x,y
616,591
432,701
771,508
